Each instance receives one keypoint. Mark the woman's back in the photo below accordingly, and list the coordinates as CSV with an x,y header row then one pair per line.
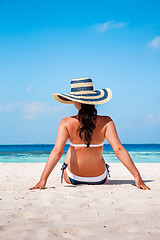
x,y
85,161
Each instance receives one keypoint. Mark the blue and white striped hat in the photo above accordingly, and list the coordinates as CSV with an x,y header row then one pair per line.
x,y
82,92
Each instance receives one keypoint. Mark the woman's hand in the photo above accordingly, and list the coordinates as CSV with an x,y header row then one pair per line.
x,y
41,184
139,183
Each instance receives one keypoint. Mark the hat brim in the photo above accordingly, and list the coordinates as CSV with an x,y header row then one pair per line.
x,y
95,98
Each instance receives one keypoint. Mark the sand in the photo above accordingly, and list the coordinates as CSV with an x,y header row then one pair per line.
x,y
116,210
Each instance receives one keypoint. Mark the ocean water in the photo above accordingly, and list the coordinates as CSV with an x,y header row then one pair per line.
x,y
140,153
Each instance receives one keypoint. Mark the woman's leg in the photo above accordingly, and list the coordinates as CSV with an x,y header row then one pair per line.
x,y
65,175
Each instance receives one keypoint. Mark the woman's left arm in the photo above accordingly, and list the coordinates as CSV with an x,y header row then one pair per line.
x,y
122,154
55,155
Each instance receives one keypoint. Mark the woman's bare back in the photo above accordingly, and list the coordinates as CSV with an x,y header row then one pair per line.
x,y
82,161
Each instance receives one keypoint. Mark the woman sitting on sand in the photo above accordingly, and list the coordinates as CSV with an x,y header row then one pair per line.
x,y
84,163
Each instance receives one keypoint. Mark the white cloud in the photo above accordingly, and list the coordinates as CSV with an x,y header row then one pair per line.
x,y
155,43
153,119
102,27
29,88
9,107
31,110
127,126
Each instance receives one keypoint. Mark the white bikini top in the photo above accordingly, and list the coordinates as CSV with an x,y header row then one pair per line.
x,y
85,145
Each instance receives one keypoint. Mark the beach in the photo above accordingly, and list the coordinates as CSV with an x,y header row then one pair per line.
x,y
115,210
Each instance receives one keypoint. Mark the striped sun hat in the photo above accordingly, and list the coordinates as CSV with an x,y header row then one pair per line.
x,y
82,92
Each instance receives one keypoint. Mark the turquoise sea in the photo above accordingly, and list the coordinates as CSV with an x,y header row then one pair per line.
x,y
140,153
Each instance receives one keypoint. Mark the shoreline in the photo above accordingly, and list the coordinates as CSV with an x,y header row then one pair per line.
x,y
115,210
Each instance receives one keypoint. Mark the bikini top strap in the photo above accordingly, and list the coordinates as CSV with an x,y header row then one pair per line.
x,y
85,145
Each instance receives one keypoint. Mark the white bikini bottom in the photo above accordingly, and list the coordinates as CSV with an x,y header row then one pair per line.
x,y
87,179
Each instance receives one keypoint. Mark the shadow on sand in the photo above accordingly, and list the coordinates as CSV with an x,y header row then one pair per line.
x,y
111,182
121,182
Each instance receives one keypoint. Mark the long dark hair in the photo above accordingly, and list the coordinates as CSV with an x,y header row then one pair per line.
x,y
87,117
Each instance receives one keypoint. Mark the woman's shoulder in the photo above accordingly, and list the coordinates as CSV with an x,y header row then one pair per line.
x,y
69,119
104,118
104,122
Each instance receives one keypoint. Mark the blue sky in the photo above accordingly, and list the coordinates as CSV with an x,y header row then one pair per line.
x,y
46,44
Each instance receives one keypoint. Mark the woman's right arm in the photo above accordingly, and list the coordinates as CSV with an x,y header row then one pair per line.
x,y
55,155
122,154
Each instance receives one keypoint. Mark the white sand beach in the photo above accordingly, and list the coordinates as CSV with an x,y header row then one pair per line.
x,y
115,210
